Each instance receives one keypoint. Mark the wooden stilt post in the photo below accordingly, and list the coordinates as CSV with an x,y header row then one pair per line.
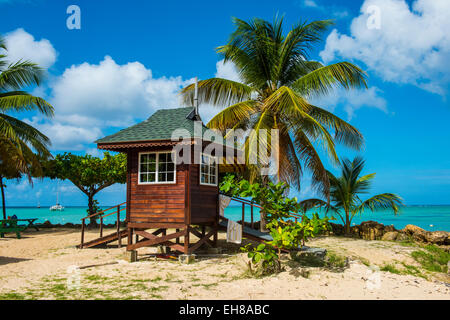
x,y
119,239
130,236
101,226
186,240
83,225
215,234
177,240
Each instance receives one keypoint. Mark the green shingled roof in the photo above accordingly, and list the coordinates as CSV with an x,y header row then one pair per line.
x,y
158,127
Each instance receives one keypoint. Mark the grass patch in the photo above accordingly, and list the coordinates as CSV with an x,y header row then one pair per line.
x,y
390,268
405,270
432,258
334,260
12,296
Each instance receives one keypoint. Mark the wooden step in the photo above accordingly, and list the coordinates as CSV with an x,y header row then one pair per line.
x,y
104,240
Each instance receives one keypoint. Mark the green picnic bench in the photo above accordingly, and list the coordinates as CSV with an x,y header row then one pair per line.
x,y
11,225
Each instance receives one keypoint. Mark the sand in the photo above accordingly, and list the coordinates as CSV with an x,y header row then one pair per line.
x,y
46,265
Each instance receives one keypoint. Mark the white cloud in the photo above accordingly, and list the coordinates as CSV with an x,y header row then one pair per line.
x,y
310,3
22,45
411,46
88,98
352,100
334,11
65,136
227,71
111,93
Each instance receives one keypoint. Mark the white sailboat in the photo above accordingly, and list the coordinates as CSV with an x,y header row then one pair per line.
x,y
57,206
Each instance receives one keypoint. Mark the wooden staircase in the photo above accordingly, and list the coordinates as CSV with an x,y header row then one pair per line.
x,y
103,240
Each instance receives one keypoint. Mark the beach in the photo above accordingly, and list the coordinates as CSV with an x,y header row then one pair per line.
x,y
46,265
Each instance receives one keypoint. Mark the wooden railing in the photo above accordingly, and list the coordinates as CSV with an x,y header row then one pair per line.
x,y
253,205
102,215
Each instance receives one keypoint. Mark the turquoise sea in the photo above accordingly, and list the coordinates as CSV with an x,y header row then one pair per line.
x,y
427,217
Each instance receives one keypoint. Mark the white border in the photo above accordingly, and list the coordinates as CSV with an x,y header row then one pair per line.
x,y
200,171
156,173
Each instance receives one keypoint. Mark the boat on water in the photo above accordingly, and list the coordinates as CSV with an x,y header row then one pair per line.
x,y
57,206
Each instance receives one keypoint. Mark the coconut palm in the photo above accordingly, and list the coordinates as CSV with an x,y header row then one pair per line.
x,y
277,81
21,145
345,190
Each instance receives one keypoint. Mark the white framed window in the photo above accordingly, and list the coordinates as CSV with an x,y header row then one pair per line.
x,y
156,167
208,170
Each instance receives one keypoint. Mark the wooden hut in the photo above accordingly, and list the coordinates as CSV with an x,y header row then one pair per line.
x,y
166,201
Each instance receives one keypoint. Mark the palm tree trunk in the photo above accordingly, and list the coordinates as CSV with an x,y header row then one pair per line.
x,y
347,222
3,198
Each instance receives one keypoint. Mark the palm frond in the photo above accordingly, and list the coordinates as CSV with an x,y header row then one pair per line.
x,y
22,101
381,201
309,156
19,131
322,80
344,132
21,74
232,115
217,91
312,203
2,43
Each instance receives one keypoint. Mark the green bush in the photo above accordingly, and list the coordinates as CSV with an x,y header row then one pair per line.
x,y
287,234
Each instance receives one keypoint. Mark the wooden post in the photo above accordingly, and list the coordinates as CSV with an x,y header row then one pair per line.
x,y
82,233
177,240
186,240
119,239
215,234
101,226
130,236
251,215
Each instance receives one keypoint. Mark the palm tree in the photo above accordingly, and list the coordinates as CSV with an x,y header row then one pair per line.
x,y
277,81
19,140
344,194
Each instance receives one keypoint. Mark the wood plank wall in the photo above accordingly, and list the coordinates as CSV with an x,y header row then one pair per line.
x,y
158,202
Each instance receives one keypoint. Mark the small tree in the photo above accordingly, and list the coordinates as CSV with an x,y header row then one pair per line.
x,y
89,174
345,191
16,161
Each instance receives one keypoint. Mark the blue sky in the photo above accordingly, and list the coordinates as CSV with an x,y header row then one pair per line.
x,y
131,58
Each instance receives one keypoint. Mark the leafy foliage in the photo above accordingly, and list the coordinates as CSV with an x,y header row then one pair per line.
x,y
89,174
21,145
345,191
287,234
277,79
